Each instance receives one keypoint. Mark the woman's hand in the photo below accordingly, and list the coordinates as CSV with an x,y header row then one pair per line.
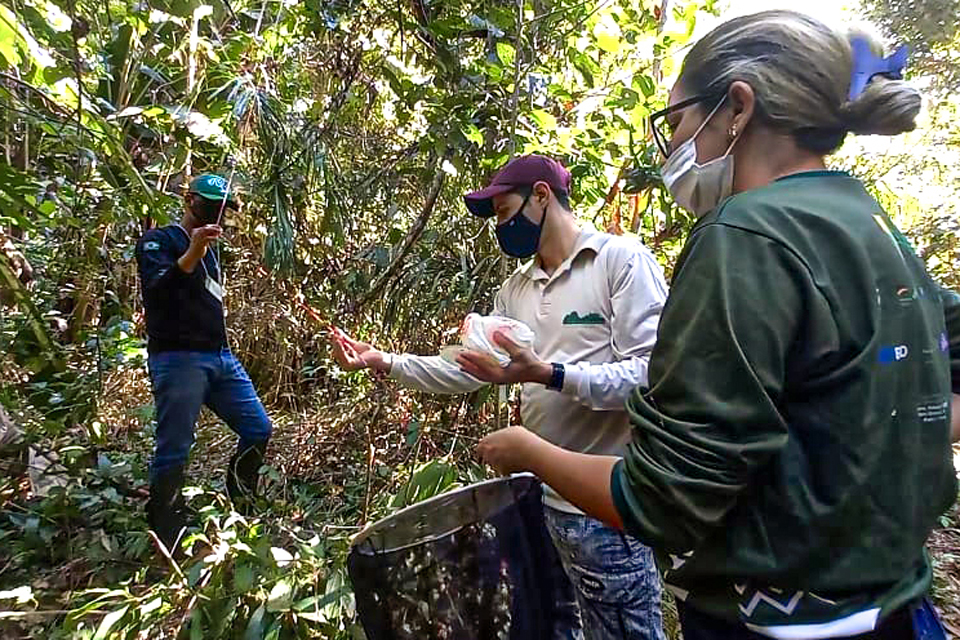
x,y
508,450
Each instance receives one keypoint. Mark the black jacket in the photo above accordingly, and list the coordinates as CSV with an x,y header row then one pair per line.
x,y
184,310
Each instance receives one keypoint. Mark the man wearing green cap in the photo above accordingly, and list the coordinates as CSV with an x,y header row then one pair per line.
x,y
189,361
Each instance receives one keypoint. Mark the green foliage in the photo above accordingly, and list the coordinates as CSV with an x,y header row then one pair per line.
x,y
279,575
328,119
430,479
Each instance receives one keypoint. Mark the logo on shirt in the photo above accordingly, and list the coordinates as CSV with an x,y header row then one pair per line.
x,y
151,246
574,318
894,353
905,295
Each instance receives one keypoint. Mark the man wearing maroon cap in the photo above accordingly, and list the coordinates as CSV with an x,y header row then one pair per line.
x,y
593,301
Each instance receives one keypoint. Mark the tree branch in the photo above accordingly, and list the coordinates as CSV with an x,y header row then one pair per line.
x,y
415,231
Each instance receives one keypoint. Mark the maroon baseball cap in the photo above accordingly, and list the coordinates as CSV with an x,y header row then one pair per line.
x,y
519,172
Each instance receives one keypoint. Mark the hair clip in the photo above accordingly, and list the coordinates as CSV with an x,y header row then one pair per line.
x,y
867,64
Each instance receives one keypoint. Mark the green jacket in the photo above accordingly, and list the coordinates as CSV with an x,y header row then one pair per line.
x,y
792,453
951,311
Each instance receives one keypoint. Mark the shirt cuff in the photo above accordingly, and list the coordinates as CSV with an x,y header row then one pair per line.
x,y
390,359
573,377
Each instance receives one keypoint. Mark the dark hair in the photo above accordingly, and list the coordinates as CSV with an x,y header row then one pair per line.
x,y
800,71
563,198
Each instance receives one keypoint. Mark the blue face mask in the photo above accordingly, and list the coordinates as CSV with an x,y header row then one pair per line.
x,y
519,237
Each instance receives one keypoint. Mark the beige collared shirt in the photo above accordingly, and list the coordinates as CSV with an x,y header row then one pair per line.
x,y
597,314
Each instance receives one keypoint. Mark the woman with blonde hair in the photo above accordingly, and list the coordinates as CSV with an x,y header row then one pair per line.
x,y
792,451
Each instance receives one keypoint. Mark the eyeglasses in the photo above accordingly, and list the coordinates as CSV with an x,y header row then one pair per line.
x,y
660,126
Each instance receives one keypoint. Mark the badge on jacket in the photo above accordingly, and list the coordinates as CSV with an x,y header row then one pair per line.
x,y
214,288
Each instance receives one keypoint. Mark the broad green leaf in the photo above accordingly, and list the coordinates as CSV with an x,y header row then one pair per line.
x,y
334,589
151,606
587,67
8,37
506,52
244,578
307,603
194,573
273,633
473,134
255,625
645,84
638,116
690,18
413,432
314,607
281,597
430,479
108,622
545,120
607,32
39,56
196,625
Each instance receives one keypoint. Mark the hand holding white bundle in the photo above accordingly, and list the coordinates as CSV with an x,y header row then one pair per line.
x,y
476,334
498,350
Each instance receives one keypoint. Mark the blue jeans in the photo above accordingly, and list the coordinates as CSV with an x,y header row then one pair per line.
x,y
182,382
614,577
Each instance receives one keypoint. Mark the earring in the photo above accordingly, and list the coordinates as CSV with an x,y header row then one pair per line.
x,y
733,131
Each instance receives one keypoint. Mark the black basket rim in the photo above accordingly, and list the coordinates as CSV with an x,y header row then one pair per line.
x,y
362,536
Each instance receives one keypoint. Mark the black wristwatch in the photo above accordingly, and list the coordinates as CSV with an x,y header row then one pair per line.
x,y
556,379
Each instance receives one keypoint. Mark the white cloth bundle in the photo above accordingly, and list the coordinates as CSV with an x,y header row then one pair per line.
x,y
476,334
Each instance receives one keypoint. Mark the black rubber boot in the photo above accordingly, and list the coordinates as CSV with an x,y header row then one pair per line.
x,y
166,508
243,474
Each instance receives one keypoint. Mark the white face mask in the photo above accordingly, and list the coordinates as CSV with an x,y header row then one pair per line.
x,y
698,188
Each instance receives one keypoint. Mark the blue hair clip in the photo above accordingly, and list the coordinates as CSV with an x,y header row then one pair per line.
x,y
867,64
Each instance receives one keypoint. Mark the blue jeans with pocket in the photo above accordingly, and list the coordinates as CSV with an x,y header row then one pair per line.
x,y
616,585
184,381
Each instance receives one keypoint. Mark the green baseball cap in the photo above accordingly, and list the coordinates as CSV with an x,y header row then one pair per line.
x,y
213,187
